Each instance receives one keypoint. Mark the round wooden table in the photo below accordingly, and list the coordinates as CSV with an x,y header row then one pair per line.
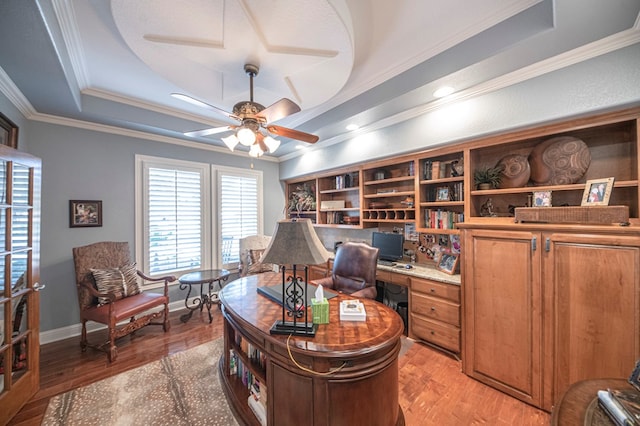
x,y
207,279
579,405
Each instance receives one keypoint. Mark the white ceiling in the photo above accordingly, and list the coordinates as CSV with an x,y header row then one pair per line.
x,y
373,62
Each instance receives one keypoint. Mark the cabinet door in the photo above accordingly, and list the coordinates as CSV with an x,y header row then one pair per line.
x,y
502,315
596,332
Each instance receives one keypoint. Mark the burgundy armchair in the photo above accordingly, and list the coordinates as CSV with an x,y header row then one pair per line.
x,y
111,306
354,271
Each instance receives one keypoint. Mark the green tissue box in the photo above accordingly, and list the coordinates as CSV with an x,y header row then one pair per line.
x,y
320,311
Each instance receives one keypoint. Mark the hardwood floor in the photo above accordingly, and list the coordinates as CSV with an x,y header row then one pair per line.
x,y
433,389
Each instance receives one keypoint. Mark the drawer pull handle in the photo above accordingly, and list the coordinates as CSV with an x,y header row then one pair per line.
x,y
433,332
433,290
433,308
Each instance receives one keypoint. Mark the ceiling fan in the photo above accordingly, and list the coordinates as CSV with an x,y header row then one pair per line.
x,y
255,120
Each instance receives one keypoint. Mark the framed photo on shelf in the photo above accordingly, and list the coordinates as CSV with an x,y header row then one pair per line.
x,y
597,192
448,263
541,198
442,193
85,213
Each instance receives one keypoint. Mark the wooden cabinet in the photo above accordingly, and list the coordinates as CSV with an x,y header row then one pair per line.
x,y
592,310
547,306
441,193
435,313
388,193
502,312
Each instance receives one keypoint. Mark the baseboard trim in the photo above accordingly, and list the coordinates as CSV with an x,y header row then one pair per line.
x,y
62,333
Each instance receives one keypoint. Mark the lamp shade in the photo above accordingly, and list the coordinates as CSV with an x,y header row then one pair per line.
x,y
295,242
246,136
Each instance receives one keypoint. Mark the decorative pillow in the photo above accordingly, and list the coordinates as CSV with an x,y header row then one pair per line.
x,y
130,273
121,282
255,265
109,281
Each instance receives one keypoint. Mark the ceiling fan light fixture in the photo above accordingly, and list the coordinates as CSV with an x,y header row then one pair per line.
x,y
246,136
272,144
231,141
255,151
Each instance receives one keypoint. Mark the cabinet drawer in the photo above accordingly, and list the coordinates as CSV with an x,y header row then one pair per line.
x,y
434,308
384,276
436,289
437,333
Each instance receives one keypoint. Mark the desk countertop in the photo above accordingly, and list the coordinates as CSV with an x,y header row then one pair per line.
x,y
422,271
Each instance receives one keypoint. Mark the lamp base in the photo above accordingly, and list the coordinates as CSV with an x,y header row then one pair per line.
x,y
297,329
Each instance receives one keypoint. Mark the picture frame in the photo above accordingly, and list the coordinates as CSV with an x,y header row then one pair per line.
x,y
541,199
597,192
448,263
85,213
8,132
442,193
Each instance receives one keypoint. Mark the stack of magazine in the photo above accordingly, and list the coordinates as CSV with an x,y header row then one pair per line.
x,y
623,406
352,310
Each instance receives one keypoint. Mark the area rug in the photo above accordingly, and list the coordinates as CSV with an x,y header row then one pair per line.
x,y
181,389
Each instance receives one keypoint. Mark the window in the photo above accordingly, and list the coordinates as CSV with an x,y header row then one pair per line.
x,y
173,216
239,210
177,205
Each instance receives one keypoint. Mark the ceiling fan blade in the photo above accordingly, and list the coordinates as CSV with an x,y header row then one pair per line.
x,y
207,132
197,102
292,134
280,109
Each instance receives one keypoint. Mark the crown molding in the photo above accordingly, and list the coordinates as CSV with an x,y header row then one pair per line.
x,y
79,124
583,53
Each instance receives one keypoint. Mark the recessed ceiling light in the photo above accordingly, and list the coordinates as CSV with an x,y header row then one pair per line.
x,y
352,127
443,91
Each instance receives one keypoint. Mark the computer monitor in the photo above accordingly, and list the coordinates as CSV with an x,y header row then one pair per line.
x,y
390,245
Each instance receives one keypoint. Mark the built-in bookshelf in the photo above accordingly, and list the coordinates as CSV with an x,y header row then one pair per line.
x,y
441,193
247,374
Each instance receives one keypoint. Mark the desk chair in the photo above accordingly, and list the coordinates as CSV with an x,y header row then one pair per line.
x,y
354,271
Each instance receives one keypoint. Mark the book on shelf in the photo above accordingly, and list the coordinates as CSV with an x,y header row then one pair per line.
x,y
352,310
258,409
435,170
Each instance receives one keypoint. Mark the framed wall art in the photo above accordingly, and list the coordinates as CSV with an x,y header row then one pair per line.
x,y
8,132
85,213
597,192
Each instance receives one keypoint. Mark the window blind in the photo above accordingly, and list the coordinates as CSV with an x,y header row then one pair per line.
x,y
239,210
174,220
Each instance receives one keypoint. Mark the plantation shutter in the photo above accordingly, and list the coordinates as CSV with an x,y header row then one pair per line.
x,y
175,209
239,210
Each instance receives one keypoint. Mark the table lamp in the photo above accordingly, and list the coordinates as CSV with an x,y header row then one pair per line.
x,y
295,243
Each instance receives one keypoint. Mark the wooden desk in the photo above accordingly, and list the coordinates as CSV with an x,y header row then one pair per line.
x,y
350,369
577,406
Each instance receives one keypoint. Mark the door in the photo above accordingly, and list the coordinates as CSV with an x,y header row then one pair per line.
x,y
593,285
19,262
502,311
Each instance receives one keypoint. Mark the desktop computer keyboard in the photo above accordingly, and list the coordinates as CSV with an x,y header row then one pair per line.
x,y
386,262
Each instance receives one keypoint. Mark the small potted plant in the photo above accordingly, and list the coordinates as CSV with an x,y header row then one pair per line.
x,y
487,177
